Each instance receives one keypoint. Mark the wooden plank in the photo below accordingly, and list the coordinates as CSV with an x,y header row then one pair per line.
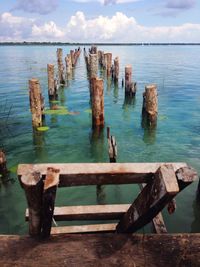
x,y
48,200
91,228
107,249
72,174
92,212
151,200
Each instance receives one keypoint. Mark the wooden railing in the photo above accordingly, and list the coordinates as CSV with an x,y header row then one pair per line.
x,y
161,183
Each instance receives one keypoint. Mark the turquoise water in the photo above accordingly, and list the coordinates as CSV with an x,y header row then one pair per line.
x,y
175,70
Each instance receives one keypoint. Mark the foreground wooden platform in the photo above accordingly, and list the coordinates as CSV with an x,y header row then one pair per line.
x,y
152,250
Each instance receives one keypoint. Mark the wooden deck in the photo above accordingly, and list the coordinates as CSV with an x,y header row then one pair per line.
x,y
106,249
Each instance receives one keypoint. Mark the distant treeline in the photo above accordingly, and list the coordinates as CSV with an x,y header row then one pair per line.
x,y
61,43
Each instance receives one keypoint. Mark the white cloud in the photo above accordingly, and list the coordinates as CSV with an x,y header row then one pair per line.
x,y
107,2
118,28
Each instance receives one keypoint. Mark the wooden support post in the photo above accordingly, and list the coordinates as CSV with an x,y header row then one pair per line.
x,y
93,65
116,69
36,102
130,87
72,58
152,199
60,66
97,103
32,184
49,194
108,63
68,63
93,49
52,90
3,166
112,146
150,104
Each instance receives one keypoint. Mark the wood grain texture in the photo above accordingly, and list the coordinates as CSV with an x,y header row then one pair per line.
x,y
88,250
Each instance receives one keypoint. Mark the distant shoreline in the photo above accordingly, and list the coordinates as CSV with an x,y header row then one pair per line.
x,y
99,44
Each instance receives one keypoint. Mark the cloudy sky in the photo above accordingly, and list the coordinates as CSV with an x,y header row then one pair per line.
x,y
100,20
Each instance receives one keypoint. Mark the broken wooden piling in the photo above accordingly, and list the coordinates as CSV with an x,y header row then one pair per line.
x,y
112,146
130,87
52,88
97,103
93,58
150,104
60,66
116,69
36,102
108,63
68,63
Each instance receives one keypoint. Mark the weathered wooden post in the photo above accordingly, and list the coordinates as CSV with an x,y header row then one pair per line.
x,y
48,200
130,87
32,184
36,102
93,65
150,104
68,64
3,166
52,89
60,66
116,69
112,146
72,58
97,103
108,63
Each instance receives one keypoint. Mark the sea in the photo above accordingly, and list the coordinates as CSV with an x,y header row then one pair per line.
x,y
175,69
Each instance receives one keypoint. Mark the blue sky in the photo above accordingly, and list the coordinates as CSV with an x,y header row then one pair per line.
x,y
100,20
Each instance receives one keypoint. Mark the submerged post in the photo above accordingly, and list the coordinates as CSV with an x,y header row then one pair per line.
x,y
150,104
97,103
36,102
60,66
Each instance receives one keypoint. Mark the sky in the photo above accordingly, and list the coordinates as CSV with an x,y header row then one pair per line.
x,y
121,21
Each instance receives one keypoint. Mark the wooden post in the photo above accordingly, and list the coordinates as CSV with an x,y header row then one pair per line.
x,y
116,69
49,194
72,58
32,184
36,102
68,64
108,63
93,65
112,146
97,103
130,87
150,104
3,166
52,90
60,66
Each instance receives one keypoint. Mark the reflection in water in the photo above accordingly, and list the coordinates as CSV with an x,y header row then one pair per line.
x,y
108,84
62,96
97,151
39,145
149,130
116,92
128,106
195,227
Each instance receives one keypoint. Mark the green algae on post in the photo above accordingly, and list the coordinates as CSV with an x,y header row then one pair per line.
x,y
56,112
13,169
43,128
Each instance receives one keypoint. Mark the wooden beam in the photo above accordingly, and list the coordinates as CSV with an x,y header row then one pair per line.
x,y
90,228
91,212
73,174
152,199
158,221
